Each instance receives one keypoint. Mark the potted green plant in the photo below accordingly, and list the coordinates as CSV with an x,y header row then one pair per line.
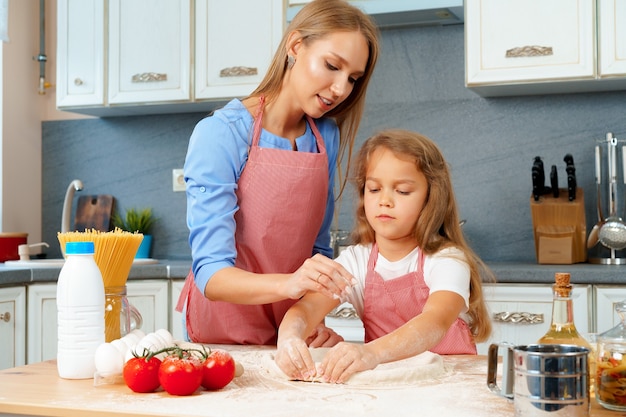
x,y
137,220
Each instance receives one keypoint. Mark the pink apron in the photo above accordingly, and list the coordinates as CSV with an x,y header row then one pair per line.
x,y
282,201
390,304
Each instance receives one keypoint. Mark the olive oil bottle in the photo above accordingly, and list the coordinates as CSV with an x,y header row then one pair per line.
x,y
562,328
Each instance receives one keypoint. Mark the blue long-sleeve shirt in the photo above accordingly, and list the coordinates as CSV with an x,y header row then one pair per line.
x,y
216,157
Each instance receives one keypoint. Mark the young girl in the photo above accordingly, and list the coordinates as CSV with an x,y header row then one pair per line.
x,y
418,282
259,176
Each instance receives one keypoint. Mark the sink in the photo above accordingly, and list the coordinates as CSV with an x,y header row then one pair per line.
x,y
57,263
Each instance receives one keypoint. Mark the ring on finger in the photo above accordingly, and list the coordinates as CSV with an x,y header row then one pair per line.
x,y
318,278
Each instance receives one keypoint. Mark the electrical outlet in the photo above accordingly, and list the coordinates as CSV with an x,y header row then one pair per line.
x,y
178,180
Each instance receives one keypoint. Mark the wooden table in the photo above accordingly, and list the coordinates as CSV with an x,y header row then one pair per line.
x,y
36,390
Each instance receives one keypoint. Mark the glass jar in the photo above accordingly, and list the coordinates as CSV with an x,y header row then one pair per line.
x,y
611,364
120,317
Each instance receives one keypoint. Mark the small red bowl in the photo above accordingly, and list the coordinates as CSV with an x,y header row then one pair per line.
x,y
9,243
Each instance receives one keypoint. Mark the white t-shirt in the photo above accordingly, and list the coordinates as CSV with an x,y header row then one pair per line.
x,y
445,270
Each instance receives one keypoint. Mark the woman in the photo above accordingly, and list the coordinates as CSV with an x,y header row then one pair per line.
x,y
260,173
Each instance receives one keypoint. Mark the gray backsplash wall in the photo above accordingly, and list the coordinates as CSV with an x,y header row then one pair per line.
x,y
418,85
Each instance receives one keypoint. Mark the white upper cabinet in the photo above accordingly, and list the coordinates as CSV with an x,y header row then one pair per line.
x,y
132,57
149,50
80,53
226,63
512,40
515,47
612,38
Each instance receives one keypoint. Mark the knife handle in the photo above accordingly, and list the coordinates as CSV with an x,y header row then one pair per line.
x,y
554,182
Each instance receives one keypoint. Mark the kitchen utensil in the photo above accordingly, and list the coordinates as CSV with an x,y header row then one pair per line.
x,y
538,177
554,181
593,235
9,242
94,212
542,379
612,233
571,176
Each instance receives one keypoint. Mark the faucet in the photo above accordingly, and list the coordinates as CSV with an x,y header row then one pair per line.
x,y
24,250
75,185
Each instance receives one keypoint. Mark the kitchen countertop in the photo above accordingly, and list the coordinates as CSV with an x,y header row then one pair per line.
x,y
36,390
506,272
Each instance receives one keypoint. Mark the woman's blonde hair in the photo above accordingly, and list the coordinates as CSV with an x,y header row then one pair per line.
x,y
318,19
438,224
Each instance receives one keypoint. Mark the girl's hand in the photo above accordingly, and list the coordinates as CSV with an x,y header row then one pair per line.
x,y
294,359
323,336
320,274
345,359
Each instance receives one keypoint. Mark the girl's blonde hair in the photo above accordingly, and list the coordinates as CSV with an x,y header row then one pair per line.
x,y
316,20
438,224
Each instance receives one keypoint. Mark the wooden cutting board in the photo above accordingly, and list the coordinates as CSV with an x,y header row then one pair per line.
x,y
94,212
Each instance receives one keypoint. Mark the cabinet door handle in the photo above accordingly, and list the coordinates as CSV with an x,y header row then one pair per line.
x,y
343,313
5,316
515,317
529,50
78,81
149,77
238,71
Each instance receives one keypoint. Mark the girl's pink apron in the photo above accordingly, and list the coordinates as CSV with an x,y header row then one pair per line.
x,y
282,201
389,304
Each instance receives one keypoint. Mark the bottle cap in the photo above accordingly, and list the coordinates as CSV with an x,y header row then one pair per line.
x,y
79,248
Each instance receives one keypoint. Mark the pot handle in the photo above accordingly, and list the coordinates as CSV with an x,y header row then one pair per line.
x,y
507,370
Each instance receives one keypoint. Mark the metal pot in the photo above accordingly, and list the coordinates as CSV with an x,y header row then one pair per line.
x,y
9,243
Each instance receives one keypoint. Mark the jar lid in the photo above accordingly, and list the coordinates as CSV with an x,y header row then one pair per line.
x,y
79,248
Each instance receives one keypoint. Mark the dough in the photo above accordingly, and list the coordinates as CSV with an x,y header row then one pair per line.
x,y
407,371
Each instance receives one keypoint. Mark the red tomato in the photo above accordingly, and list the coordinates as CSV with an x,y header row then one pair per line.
x,y
180,373
142,374
218,370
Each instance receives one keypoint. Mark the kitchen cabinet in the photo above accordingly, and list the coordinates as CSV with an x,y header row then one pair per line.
x,y
538,47
612,38
150,297
176,323
41,336
149,51
606,296
152,65
521,313
345,322
80,53
226,63
13,326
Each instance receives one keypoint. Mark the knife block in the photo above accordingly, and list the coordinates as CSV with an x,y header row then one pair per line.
x,y
560,228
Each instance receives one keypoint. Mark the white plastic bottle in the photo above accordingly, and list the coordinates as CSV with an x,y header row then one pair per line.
x,y
80,306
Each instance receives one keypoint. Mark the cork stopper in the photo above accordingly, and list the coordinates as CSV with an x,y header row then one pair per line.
x,y
562,285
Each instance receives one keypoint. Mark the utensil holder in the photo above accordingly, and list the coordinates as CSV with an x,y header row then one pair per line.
x,y
560,228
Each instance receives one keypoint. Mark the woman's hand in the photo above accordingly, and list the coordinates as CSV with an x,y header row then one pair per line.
x,y
345,359
323,336
294,359
320,274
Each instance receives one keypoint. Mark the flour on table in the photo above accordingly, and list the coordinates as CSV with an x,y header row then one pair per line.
x,y
421,367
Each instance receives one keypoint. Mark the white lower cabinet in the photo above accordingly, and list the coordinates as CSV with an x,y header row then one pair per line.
x,y
12,326
150,297
42,322
176,318
606,297
521,313
346,323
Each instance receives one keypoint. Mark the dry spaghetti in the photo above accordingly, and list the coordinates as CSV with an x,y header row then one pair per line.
x,y
114,253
